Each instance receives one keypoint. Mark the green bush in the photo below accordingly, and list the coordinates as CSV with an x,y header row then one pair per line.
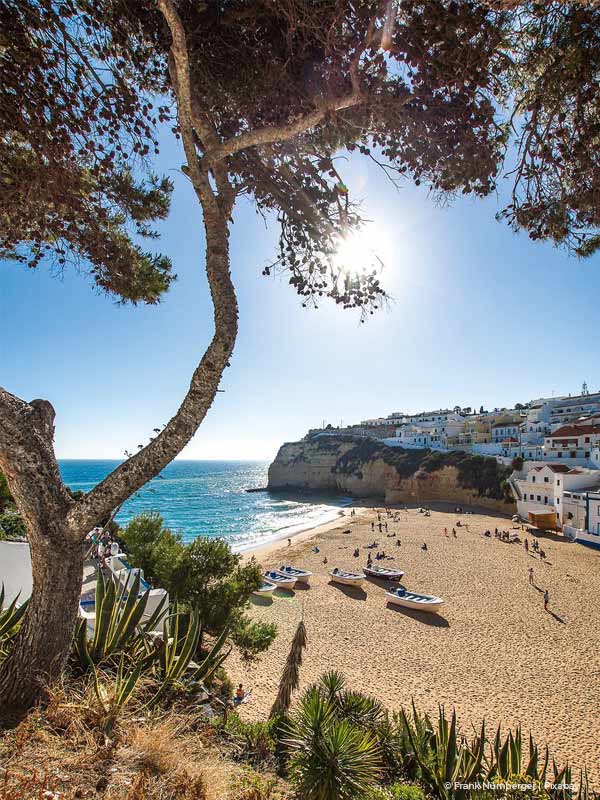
x,y
12,527
252,741
252,785
398,791
405,791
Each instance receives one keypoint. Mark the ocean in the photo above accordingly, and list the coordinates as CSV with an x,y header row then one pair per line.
x,y
209,498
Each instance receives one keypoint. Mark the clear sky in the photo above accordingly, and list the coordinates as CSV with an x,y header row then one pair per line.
x,y
480,316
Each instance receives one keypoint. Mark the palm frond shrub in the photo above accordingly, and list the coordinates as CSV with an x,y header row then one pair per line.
x,y
330,757
290,677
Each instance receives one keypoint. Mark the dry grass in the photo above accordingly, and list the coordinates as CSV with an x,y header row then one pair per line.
x,y
61,752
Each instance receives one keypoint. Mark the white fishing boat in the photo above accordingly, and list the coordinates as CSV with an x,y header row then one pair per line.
x,y
280,580
266,588
347,578
385,573
420,602
301,575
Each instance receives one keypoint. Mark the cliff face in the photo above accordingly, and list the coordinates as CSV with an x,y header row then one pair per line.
x,y
367,468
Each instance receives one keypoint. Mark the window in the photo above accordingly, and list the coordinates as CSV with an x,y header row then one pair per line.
x,y
557,500
546,500
546,480
531,497
560,455
587,454
533,479
573,454
587,439
558,482
539,499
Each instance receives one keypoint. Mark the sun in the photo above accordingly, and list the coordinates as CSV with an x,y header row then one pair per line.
x,y
358,253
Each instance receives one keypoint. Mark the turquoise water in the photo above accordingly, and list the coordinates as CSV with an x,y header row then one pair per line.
x,y
208,498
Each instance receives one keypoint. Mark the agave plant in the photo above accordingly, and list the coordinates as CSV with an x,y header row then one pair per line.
x,y
118,625
446,761
330,758
124,686
10,618
181,633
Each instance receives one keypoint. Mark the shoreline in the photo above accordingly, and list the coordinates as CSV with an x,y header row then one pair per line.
x,y
362,505
267,549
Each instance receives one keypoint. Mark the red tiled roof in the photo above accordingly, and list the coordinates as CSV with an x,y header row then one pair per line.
x,y
573,430
558,467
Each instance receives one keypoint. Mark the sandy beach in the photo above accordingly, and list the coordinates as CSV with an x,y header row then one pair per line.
x,y
493,651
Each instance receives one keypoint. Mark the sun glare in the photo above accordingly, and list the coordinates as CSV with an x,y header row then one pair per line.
x,y
359,252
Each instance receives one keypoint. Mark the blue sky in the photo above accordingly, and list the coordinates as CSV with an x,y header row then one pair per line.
x,y
479,316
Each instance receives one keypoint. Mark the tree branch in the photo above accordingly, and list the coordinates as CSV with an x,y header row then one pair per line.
x,y
27,459
270,135
148,462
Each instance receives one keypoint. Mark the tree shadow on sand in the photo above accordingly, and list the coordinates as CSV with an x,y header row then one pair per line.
x,y
355,592
261,600
433,620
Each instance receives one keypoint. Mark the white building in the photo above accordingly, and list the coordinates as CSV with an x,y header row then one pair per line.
x,y
581,512
572,442
539,488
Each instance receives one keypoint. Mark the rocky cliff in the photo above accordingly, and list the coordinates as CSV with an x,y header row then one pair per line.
x,y
368,468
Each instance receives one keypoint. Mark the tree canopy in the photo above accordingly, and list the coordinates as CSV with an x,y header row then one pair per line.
x,y
75,134
445,93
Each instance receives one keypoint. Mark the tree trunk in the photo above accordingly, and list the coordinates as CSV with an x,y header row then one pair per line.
x,y
43,643
55,523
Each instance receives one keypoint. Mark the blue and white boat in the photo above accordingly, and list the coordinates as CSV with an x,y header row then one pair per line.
x,y
301,575
386,573
347,578
419,602
266,588
280,580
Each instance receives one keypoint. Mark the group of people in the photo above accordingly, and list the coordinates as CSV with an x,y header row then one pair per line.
x,y
102,545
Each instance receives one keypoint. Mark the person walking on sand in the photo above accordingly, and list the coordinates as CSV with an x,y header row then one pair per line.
x,y
454,533
527,545
372,526
445,531
546,599
289,542
531,575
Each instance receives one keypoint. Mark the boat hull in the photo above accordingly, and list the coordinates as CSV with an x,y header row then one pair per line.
x,y
346,580
301,576
267,588
392,575
430,607
281,581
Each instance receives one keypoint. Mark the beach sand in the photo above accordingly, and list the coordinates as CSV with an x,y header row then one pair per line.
x,y
493,651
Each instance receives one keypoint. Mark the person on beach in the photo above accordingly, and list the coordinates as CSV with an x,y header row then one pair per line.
x,y
542,555
289,542
369,561
445,531
531,575
397,542
527,545
454,533
424,546
372,526
546,599
325,560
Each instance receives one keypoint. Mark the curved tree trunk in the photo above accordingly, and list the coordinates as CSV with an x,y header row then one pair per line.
x,y
38,655
56,524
